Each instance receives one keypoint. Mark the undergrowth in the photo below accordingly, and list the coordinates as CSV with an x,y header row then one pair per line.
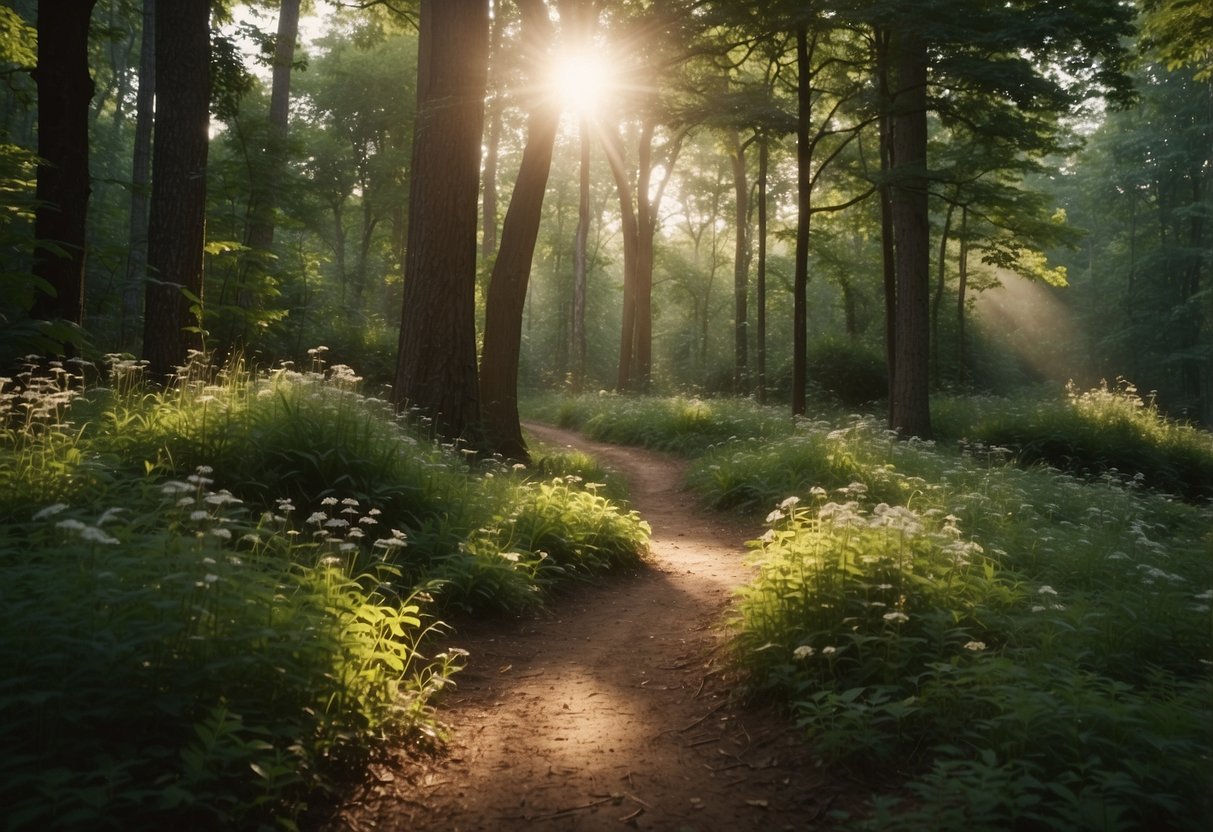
x,y
1001,645
222,598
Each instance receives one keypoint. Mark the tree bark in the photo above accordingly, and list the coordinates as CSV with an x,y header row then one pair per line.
x,y
492,150
581,261
512,269
804,189
264,197
910,409
176,232
65,89
888,254
436,357
136,258
760,287
741,266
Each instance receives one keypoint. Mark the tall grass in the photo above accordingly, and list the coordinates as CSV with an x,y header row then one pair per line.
x,y
991,645
222,597
974,626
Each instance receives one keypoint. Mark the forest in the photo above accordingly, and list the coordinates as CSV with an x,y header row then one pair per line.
x,y
293,292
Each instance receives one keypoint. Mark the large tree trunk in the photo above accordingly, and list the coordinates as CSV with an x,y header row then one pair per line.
x,y
178,211
64,91
512,269
136,257
436,359
910,408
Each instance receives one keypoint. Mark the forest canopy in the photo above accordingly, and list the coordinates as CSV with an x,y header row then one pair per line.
x,y
860,202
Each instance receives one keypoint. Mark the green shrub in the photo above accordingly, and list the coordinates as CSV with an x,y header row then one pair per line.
x,y
211,646
852,373
1107,431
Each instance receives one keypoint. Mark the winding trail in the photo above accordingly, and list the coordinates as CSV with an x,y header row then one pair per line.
x,y
611,710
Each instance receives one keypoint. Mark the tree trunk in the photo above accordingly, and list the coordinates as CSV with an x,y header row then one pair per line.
x,y
578,19
581,261
646,224
741,266
177,229
941,281
269,172
511,271
436,358
136,257
613,144
492,149
760,288
910,410
65,89
804,189
888,255
264,197
962,286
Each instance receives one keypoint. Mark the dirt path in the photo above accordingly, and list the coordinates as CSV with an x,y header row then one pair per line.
x,y
610,710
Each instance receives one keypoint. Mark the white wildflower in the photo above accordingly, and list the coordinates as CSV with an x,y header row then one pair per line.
x,y
802,652
94,535
975,646
896,617
50,511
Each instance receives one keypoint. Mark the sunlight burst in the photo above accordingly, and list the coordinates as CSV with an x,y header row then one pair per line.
x,y
582,81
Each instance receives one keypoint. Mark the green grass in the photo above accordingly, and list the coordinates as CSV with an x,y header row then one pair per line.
x,y
1105,432
222,599
683,425
991,645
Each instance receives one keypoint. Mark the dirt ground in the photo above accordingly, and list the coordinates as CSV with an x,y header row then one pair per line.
x,y
611,710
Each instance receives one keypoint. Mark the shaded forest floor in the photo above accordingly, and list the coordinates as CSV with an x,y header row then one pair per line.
x,y
612,709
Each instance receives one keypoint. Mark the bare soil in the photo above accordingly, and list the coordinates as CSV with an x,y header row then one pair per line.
x,y
612,709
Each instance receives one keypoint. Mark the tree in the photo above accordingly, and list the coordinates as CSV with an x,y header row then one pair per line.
x,y
909,406
64,91
267,177
1009,72
512,268
136,260
176,232
436,355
